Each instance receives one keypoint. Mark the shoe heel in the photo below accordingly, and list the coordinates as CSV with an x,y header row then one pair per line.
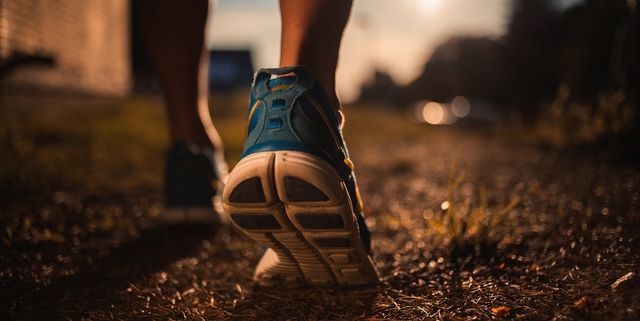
x,y
319,207
296,204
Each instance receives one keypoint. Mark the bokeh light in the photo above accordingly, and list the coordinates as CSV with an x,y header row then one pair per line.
x,y
433,113
460,106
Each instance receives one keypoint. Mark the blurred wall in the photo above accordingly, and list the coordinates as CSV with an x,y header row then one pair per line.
x,y
65,45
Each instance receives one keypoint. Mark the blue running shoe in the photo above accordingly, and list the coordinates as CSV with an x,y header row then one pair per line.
x,y
294,189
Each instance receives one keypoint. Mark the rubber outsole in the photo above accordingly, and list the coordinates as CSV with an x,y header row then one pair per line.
x,y
297,205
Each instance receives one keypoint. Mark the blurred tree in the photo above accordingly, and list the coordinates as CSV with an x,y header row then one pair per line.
x,y
531,46
590,48
625,59
381,89
582,50
462,66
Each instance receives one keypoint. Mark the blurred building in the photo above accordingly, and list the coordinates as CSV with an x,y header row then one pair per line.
x,y
230,69
65,45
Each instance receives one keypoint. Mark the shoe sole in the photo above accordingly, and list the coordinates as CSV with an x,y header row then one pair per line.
x,y
297,205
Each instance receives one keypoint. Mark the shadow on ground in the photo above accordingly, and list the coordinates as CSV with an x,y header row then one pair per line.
x,y
129,262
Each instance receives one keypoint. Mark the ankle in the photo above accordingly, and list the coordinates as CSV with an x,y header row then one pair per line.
x,y
326,80
197,140
193,131
323,76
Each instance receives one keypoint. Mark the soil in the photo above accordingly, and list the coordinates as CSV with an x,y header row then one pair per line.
x,y
81,186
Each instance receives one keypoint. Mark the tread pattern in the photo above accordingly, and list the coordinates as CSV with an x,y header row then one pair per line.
x,y
300,191
249,191
302,212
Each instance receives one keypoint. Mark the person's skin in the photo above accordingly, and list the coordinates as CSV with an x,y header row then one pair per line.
x,y
311,35
174,32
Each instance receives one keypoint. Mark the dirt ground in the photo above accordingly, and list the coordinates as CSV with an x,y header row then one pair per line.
x,y
468,224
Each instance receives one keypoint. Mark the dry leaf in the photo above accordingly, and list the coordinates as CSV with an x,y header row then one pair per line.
x,y
501,311
581,303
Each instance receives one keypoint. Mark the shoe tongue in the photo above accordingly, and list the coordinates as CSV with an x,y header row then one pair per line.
x,y
282,83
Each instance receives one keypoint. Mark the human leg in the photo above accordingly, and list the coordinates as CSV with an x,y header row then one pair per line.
x,y
173,32
311,35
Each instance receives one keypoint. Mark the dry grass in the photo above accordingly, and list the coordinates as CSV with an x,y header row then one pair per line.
x,y
529,234
465,219
566,122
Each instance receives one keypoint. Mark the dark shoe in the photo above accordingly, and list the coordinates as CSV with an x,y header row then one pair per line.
x,y
194,176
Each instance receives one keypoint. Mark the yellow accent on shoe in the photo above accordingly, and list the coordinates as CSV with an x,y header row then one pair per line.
x,y
359,198
251,111
280,87
349,163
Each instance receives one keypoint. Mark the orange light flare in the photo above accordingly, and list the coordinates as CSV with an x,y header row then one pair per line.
x,y
435,113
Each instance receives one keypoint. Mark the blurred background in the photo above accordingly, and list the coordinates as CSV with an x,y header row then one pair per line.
x,y
77,89
568,68
496,143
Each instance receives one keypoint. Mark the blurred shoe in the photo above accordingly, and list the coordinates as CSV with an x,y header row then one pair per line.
x,y
194,177
294,189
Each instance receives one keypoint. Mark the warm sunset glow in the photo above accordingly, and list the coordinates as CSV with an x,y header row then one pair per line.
x,y
394,36
431,5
